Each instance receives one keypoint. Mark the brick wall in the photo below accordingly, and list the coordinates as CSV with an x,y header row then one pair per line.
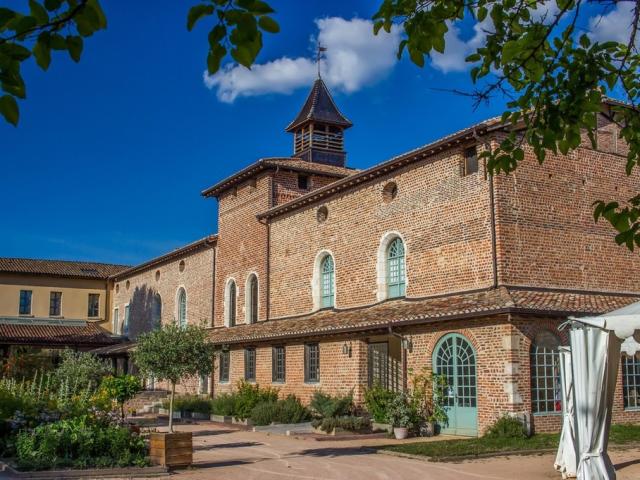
x,y
164,280
546,235
242,245
443,218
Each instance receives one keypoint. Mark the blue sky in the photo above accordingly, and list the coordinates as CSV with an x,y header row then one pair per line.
x,y
111,154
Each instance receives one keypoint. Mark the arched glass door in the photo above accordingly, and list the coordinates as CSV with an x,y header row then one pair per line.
x,y
455,359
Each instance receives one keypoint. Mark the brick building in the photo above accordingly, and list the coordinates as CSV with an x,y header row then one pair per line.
x,y
332,278
326,277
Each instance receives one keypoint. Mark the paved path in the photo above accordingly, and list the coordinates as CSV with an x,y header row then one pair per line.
x,y
220,453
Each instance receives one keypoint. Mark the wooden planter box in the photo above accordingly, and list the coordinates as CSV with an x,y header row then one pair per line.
x,y
171,449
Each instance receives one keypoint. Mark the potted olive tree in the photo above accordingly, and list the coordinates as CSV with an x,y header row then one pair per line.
x,y
172,354
401,414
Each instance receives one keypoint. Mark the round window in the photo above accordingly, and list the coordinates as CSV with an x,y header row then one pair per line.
x,y
181,266
128,284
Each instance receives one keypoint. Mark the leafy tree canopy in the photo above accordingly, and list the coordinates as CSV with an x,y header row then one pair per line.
x,y
553,73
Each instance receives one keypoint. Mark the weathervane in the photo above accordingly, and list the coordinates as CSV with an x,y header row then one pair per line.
x,y
321,49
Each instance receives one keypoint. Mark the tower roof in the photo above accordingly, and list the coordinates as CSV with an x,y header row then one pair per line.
x,y
319,107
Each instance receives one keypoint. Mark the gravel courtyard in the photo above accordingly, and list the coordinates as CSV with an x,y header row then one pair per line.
x,y
227,454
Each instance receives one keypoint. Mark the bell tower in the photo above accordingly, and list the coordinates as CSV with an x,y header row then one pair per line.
x,y
318,130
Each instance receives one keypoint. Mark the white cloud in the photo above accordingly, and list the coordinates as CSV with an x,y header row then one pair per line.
x,y
614,26
355,57
457,49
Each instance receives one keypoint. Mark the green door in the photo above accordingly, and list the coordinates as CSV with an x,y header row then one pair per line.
x,y
455,358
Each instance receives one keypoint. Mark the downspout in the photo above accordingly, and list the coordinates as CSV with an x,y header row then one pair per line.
x,y
492,206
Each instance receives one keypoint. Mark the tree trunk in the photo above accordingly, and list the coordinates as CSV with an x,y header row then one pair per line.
x,y
173,394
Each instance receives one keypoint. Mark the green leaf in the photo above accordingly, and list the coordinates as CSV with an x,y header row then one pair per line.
x,y
242,55
52,5
260,8
416,57
216,54
74,45
196,13
9,109
38,12
5,16
42,52
268,24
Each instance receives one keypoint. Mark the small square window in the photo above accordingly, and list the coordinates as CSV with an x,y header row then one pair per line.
x,y
470,162
303,182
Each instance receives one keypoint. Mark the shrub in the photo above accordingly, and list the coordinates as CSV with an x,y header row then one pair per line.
x,y
223,404
507,427
376,400
121,389
327,406
289,410
191,403
349,423
249,395
79,443
81,368
401,412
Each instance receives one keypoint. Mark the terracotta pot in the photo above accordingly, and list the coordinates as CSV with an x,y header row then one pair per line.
x,y
400,432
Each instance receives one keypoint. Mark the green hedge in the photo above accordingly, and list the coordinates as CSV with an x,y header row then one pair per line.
x,y
289,410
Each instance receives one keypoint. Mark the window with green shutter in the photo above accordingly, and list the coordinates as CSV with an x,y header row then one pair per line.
x,y
327,282
396,282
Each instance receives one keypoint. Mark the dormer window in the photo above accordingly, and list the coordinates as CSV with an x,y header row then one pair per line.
x,y
303,182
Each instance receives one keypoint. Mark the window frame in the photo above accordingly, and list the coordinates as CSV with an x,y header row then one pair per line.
x,y
125,320
309,349
252,292
250,364
28,299
303,181
58,303
279,364
470,157
327,277
634,360
231,303
225,366
542,357
115,320
90,310
181,308
396,288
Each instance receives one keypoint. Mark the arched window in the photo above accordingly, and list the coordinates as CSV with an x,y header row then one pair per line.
x,y
182,308
251,305
156,311
230,303
327,287
545,374
396,284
